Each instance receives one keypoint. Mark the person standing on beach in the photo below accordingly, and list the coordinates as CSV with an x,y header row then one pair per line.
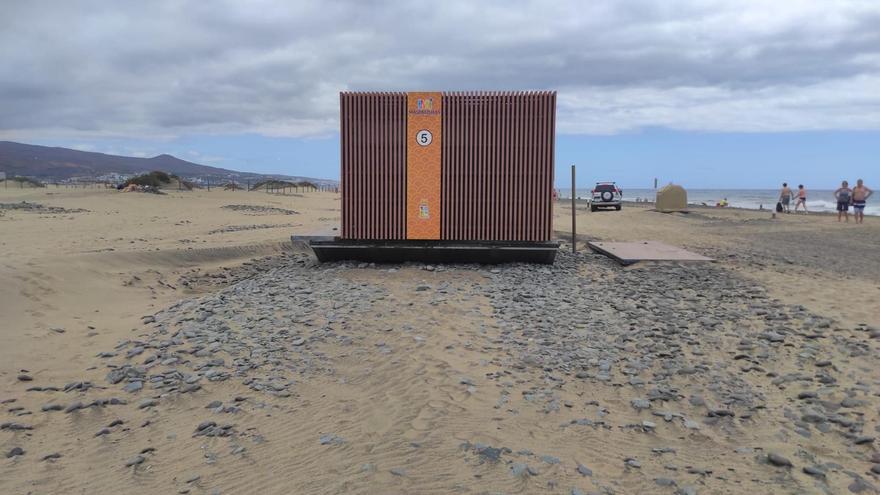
x,y
785,197
843,195
860,195
801,198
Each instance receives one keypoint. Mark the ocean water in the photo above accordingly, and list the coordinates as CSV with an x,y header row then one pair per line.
x,y
754,199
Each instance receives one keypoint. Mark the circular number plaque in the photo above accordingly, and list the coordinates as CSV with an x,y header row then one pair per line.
x,y
424,137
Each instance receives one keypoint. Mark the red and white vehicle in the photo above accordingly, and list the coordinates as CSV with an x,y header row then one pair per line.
x,y
606,195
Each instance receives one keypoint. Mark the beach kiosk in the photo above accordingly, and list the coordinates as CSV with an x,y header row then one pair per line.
x,y
671,198
445,177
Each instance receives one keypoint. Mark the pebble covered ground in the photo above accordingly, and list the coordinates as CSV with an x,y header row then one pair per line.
x,y
580,378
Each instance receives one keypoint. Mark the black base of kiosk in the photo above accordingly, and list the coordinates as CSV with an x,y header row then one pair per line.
x,y
336,249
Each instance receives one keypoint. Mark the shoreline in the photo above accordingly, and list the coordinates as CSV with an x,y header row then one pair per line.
x,y
650,204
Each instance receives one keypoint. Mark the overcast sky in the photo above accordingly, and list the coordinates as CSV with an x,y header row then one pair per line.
x,y
145,77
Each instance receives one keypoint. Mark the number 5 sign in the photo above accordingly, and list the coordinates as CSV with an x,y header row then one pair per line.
x,y
424,137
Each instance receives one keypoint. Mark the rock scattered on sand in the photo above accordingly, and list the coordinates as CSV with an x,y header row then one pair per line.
x,y
814,471
16,451
15,426
331,439
778,460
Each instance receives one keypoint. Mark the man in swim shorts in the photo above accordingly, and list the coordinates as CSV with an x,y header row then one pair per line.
x,y
843,195
860,195
785,197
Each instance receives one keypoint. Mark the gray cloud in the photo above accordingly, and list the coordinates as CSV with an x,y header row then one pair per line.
x,y
165,68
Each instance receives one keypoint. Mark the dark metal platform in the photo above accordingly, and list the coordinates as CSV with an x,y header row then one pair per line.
x,y
337,249
627,253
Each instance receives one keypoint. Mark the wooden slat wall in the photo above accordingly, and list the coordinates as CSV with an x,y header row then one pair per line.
x,y
498,155
373,142
497,165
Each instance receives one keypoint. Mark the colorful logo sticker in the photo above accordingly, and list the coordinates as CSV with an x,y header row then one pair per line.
x,y
425,103
423,210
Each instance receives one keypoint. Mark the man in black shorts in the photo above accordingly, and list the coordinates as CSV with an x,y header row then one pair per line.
x,y
785,197
860,195
843,195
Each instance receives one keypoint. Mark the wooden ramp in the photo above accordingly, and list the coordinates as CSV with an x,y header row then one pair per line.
x,y
627,253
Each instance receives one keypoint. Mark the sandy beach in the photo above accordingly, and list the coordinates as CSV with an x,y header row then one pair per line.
x,y
178,344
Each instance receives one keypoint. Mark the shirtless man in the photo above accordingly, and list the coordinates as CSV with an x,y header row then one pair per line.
x,y
801,199
785,197
843,195
860,195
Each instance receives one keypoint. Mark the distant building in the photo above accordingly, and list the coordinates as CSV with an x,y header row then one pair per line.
x,y
2,175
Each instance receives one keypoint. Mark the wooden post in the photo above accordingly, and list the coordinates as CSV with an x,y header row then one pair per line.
x,y
209,184
573,215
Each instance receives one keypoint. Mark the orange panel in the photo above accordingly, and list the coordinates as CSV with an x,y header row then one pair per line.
x,y
423,143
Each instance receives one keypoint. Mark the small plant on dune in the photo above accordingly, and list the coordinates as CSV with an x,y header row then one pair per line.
x,y
156,178
27,180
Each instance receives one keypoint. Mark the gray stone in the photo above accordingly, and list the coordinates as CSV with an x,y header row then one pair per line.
x,y
814,471
134,352
584,470
16,451
522,470
135,461
859,485
204,425
134,386
330,439
778,460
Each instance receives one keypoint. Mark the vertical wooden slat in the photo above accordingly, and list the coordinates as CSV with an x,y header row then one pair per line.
x,y
530,167
494,176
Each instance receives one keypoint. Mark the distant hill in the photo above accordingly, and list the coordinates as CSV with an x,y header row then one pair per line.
x,y
44,162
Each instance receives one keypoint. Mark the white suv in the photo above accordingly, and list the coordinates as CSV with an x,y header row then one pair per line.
x,y
606,195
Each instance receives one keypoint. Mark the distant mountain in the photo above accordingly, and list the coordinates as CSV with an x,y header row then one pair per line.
x,y
44,162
